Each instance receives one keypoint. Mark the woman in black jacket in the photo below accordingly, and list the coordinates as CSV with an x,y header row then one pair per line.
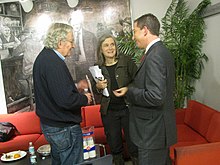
x,y
118,71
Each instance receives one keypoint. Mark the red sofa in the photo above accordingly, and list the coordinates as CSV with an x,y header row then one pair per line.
x,y
198,132
28,125
198,129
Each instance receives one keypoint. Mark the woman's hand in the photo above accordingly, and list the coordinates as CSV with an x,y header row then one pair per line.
x,y
101,84
120,92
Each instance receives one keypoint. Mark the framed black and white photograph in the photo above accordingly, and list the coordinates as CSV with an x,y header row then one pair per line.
x,y
12,9
89,18
1,9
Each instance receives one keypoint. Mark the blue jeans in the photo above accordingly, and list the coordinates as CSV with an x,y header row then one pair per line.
x,y
66,144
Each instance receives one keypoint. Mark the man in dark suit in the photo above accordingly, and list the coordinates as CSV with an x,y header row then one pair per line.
x,y
152,114
84,54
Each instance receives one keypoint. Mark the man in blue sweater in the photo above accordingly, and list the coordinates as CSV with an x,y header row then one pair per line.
x,y
58,102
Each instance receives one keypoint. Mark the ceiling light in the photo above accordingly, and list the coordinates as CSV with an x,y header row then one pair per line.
x,y
27,5
72,3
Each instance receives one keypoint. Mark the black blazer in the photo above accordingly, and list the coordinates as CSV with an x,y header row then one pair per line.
x,y
152,114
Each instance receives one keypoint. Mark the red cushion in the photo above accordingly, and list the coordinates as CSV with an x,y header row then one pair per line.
x,y
181,144
20,142
186,134
100,136
25,122
82,124
180,115
186,137
198,155
213,134
92,116
198,116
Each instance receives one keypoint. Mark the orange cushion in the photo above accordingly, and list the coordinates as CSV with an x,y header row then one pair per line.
x,y
213,134
198,116
25,122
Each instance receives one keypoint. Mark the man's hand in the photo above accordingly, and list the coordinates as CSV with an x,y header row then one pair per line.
x,y
81,85
89,97
120,92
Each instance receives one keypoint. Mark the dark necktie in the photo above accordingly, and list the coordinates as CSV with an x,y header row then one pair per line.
x,y
77,48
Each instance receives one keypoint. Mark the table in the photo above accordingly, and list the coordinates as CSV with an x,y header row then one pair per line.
x,y
106,160
26,161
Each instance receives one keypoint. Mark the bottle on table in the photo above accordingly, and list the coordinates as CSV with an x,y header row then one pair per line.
x,y
32,154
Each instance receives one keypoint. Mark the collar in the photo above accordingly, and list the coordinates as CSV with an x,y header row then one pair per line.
x,y
151,43
59,55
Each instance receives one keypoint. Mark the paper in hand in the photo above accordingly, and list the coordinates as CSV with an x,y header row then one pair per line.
x,y
97,75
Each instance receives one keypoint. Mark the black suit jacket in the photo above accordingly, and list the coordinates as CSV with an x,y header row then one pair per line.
x,y
152,114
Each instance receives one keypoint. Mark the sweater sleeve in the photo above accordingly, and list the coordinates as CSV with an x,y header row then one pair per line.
x,y
62,87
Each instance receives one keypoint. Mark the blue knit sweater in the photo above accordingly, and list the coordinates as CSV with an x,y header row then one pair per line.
x,y
58,102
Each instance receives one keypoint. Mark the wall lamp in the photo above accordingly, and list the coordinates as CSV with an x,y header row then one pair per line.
x,y
27,5
72,3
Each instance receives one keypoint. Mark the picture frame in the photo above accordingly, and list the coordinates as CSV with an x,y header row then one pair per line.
x,y
99,17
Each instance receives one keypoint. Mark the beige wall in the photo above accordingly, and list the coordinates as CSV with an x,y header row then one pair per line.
x,y
208,87
157,7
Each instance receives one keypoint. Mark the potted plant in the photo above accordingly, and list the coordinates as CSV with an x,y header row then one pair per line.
x,y
183,34
128,46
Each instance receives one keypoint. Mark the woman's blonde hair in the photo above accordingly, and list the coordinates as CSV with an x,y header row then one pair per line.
x,y
55,33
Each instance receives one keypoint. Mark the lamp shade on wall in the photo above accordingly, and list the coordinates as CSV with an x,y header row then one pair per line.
x,y
72,3
27,5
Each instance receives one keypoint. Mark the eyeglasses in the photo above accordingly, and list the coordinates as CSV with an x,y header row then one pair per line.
x,y
71,41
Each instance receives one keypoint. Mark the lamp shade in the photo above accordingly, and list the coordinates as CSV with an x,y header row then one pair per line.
x,y
72,3
27,5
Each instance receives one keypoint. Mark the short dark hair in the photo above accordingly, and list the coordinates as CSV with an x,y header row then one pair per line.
x,y
150,21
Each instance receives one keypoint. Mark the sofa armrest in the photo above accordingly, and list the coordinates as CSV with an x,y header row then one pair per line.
x,y
25,122
201,154
180,115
